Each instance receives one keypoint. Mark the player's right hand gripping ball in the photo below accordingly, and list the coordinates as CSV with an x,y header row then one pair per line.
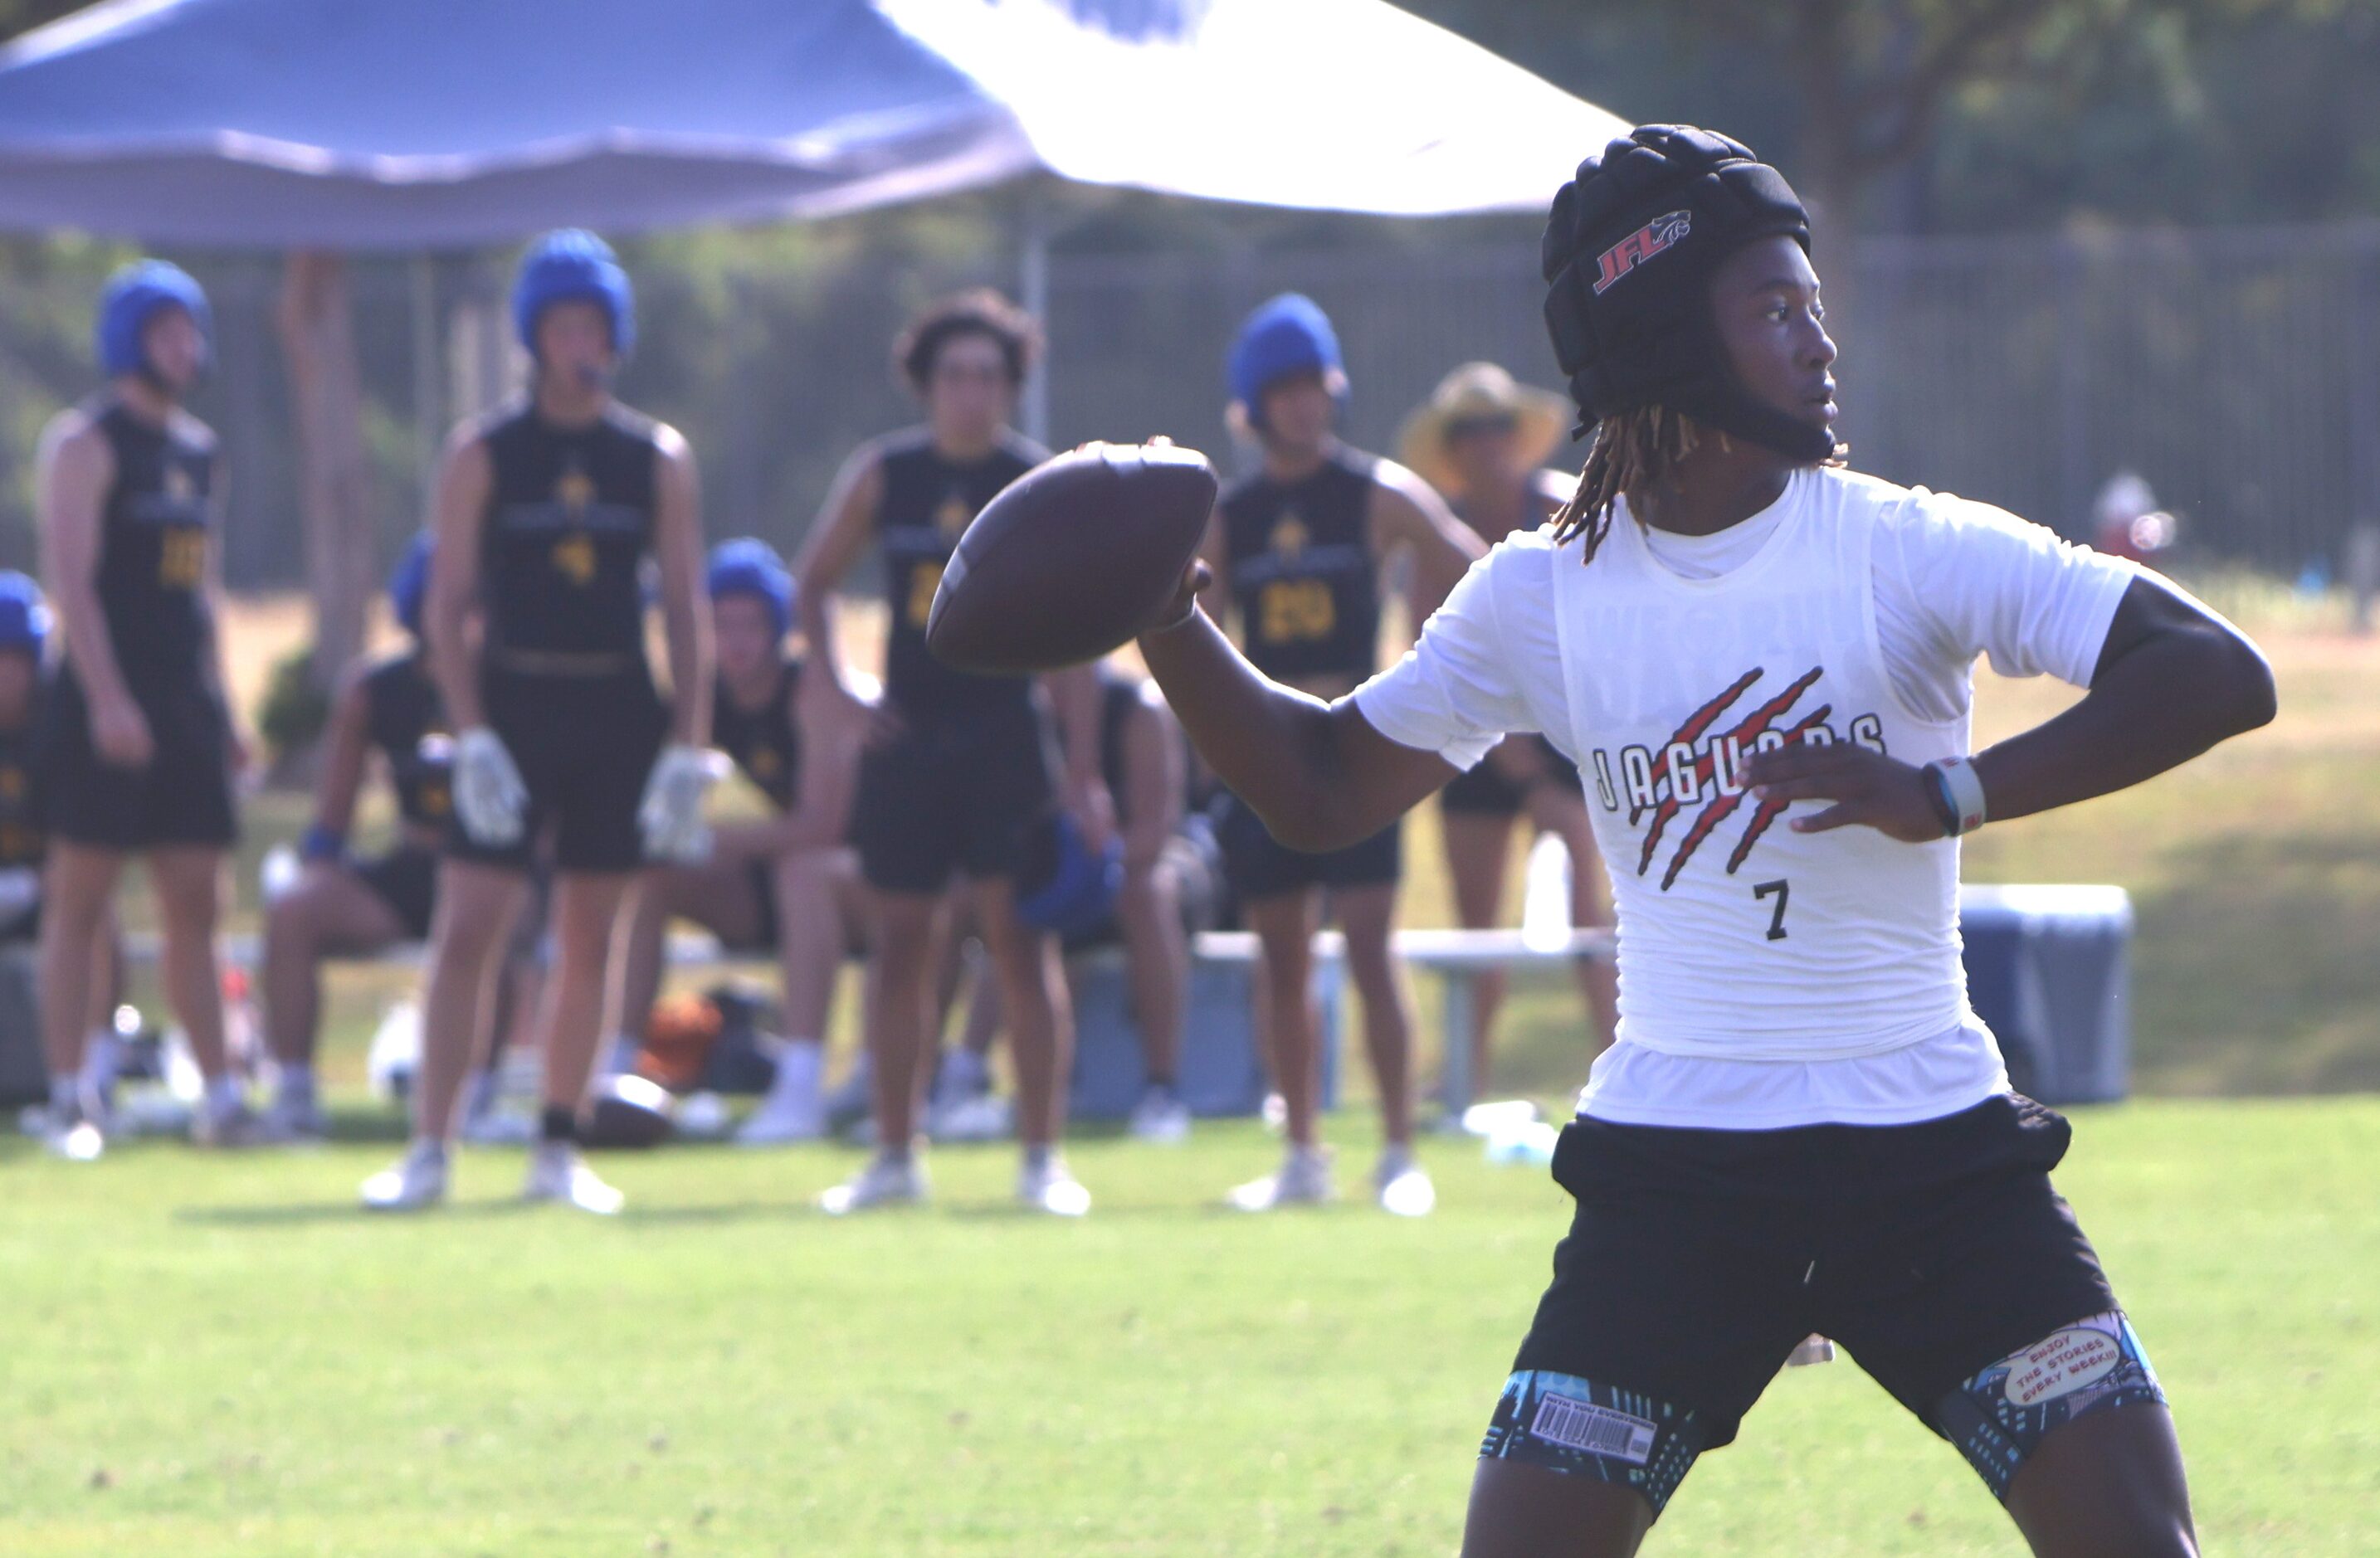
x,y
1078,556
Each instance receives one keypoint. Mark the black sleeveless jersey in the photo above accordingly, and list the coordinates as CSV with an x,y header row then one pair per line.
x,y
152,549
1302,569
569,523
764,742
927,500
408,722
23,838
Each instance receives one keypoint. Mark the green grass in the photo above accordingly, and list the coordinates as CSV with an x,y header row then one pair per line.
x,y
215,1355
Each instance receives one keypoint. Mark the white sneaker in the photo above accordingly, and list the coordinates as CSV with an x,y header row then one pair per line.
x,y
1304,1180
1400,1185
1052,1187
985,1116
779,1121
884,1182
416,1183
1160,1115
557,1173
75,1140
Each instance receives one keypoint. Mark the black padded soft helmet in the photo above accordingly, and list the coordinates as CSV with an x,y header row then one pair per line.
x,y
1630,246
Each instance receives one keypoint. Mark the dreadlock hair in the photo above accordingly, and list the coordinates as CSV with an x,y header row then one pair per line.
x,y
1632,450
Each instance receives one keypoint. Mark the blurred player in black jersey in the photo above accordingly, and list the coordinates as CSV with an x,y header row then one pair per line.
x,y
342,906
963,766
24,638
1300,543
1143,762
1482,439
141,746
547,511
789,884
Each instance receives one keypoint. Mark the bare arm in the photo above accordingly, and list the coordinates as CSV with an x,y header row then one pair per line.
x,y
217,668
837,538
1214,551
833,730
345,746
76,466
1318,774
1407,512
2173,679
465,481
678,545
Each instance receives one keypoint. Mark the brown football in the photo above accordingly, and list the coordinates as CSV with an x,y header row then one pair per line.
x,y
1075,557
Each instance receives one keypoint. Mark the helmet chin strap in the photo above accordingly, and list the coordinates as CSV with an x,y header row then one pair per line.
x,y
1729,409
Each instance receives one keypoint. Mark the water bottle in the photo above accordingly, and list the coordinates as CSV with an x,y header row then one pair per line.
x,y
1531,1144
1545,897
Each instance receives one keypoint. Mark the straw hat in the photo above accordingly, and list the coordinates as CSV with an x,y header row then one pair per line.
x,y
1480,392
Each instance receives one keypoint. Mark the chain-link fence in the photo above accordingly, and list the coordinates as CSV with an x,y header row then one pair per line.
x,y
2238,371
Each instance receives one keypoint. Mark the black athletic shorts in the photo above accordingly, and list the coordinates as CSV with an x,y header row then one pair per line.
x,y
952,794
183,797
584,746
1698,1259
1483,791
406,878
1261,866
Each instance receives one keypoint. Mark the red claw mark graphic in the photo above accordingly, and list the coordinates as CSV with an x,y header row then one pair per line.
x,y
1745,732
1768,810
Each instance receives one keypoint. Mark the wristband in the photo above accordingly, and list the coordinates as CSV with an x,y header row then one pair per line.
x,y
1958,792
320,843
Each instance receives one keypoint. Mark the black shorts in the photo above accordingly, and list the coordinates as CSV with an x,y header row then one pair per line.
x,y
183,797
1698,1259
584,746
1483,791
952,794
406,880
1261,866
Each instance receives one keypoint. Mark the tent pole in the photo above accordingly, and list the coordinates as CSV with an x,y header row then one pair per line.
x,y
1034,283
428,362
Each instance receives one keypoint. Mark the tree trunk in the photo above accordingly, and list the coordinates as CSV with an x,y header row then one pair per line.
x,y
317,342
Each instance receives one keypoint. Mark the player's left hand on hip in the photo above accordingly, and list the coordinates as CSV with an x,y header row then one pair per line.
x,y
1869,790
670,817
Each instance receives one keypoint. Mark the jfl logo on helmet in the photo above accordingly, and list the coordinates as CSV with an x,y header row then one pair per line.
x,y
1641,246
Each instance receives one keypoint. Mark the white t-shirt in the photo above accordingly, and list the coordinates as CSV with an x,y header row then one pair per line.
x,y
1773,978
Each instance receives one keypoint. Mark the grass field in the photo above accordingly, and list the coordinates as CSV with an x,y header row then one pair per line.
x,y
216,1356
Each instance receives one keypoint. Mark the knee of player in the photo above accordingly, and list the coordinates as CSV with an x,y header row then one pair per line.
x,y
290,919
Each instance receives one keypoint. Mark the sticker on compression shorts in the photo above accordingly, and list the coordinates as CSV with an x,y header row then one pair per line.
x,y
1996,1418
1565,1423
